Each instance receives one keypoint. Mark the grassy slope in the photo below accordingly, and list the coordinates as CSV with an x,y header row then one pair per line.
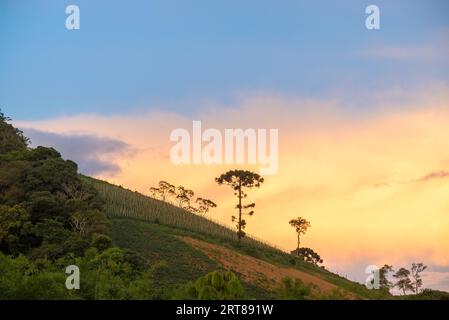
x,y
176,262
151,226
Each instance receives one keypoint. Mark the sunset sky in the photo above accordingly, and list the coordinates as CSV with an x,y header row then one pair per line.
x,y
363,115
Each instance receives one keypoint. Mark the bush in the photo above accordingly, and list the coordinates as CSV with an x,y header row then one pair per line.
x,y
292,290
217,285
429,294
101,242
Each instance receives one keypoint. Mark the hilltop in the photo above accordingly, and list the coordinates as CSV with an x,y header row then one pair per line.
x,y
186,246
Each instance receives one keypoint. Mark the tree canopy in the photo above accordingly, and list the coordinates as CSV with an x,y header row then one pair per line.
x,y
301,225
238,180
50,219
11,139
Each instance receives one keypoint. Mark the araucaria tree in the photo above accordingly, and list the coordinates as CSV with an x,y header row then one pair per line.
x,y
238,180
301,225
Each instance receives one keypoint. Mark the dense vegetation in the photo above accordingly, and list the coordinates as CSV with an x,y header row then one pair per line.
x,y
51,219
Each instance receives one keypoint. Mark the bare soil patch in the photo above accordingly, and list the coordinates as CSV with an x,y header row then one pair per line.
x,y
257,271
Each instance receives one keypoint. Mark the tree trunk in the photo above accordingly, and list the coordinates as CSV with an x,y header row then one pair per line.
x,y
240,211
298,244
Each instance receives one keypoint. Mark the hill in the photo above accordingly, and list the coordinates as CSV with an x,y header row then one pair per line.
x,y
187,246
126,245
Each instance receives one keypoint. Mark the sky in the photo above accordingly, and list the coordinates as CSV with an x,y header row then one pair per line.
x,y
362,114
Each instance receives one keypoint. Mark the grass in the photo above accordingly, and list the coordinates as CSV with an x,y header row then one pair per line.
x,y
149,226
177,262
121,202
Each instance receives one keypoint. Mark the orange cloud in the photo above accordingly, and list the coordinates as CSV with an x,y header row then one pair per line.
x,y
329,163
435,175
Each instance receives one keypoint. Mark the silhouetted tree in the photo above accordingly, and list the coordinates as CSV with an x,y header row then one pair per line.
x,y
11,138
417,283
184,196
204,205
156,193
238,180
164,192
383,277
167,190
308,255
404,283
301,225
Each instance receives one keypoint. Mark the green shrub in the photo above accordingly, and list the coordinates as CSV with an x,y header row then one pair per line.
x,y
101,242
292,290
217,285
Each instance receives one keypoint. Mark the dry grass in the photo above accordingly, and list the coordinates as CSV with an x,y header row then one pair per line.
x,y
256,271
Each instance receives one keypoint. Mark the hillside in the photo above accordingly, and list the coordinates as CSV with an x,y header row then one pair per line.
x,y
129,246
186,246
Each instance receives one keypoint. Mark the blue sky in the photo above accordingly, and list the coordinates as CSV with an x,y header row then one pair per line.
x,y
130,55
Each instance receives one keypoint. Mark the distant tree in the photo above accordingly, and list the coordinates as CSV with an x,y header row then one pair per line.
x,y
301,225
403,283
192,209
11,138
167,190
417,283
383,277
204,205
238,180
184,196
155,193
164,192
308,255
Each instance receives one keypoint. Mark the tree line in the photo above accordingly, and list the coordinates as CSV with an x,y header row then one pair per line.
x,y
182,198
405,279
50,219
